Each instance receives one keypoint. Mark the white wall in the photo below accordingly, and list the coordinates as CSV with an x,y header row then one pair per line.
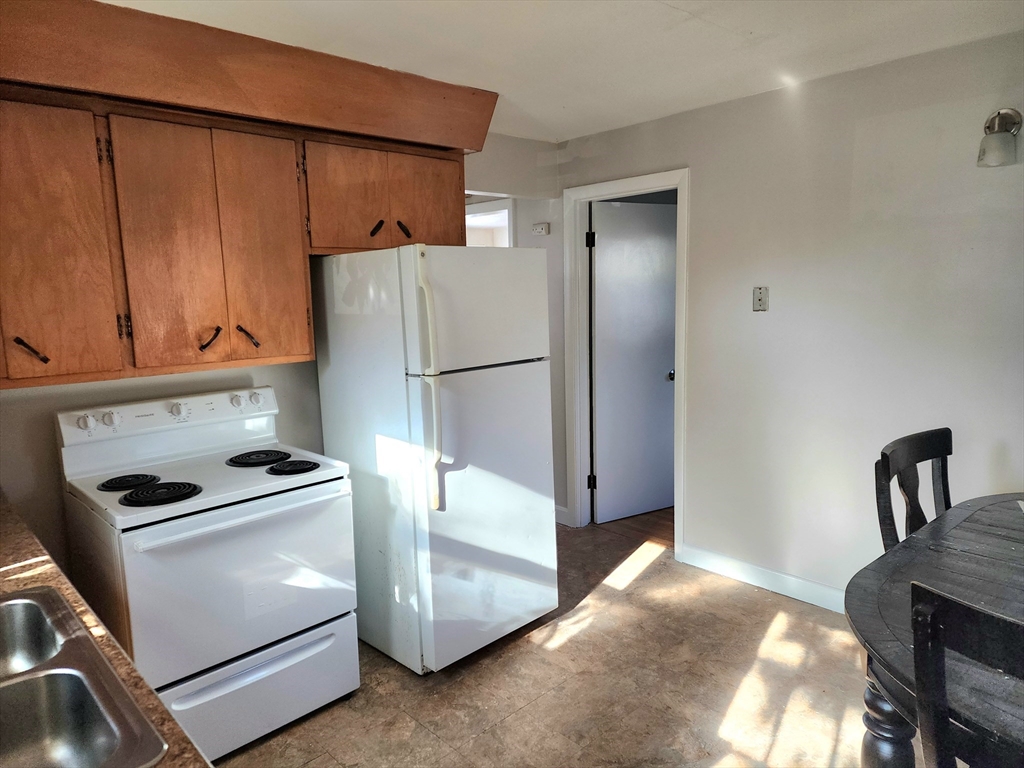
x,y
29,463
528,213
513,167
896,271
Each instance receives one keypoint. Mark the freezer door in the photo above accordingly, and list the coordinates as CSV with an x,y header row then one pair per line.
x,y
472,307
487,552
206,588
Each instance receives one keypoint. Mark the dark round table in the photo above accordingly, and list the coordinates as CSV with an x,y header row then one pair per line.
x,y
974,552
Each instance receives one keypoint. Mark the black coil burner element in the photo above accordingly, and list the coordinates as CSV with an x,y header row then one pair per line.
x,y
126,482
257,458
296,467
159,493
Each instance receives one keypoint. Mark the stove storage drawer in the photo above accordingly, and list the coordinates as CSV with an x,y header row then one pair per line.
x,y
209,587
224,709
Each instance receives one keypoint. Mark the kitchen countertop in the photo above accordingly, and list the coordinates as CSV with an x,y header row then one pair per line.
x,y
25,563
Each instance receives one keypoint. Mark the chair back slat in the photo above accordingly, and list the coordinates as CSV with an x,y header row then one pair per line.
x,y
942,623
899,459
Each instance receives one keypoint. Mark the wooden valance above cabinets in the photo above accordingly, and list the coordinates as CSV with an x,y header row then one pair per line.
x,y
154,219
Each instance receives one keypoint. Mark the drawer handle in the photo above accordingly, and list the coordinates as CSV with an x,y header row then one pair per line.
x,y
39,355
145,546
216,333
405,229
253,674
376,228
248,335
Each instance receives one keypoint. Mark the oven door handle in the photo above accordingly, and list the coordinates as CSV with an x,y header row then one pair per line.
x,y
146,546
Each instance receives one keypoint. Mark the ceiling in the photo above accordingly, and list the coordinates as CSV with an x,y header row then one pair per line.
x,y
569,68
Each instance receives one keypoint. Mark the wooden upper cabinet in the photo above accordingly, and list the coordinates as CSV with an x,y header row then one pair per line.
x,y
265,263
348,196
56,291
170,235
428,200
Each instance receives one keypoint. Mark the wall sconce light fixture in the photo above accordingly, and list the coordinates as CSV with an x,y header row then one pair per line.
x,y
999,145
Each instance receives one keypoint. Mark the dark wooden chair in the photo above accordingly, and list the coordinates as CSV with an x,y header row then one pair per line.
x,y
900,459
943,623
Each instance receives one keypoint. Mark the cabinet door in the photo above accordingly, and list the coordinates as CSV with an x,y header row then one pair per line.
x,y
170,235
57,293
348,196
265,266
428,202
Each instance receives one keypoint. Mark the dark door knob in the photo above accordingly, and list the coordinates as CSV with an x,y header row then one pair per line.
x,y
672,375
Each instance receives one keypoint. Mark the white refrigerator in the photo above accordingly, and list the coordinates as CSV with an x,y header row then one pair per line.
x,y
435,388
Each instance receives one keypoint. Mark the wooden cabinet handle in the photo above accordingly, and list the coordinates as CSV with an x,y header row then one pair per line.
x,y
376,228
216,333
405,229
39,355
248,335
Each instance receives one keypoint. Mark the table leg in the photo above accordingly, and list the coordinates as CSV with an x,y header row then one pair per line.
x,y
887,743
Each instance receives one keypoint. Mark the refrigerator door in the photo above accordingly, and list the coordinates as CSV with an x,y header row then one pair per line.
x,y
487,562
473,307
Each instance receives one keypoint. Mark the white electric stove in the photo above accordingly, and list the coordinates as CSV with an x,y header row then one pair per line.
x,y
221,559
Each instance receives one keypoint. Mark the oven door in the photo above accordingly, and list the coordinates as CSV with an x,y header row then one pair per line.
x,y
212,586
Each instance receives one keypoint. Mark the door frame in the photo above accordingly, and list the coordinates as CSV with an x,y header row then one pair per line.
x,y
577,353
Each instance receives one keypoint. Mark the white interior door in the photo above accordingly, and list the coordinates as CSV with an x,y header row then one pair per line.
x,y
491,542
634,339
485,306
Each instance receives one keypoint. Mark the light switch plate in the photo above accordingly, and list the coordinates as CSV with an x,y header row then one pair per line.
x,y
761,299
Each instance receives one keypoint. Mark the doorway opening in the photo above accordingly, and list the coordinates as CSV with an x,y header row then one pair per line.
x,y
625,352
631,246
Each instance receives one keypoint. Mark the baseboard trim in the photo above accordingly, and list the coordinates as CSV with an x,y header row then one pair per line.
x,y
562,516
783,583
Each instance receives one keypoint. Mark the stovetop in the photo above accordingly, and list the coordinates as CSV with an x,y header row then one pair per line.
x,y
219,483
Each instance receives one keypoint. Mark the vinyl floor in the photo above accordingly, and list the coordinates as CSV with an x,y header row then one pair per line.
x,y
646,662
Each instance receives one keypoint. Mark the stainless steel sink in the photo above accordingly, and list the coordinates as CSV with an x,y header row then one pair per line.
x,y
27,637
61,703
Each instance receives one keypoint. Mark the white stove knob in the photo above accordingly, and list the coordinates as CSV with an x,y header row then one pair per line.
x,y
111,419
178,409
86,422
256,398
237,401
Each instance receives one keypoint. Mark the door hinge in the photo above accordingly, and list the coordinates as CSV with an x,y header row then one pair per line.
x,y
99,149
591,482
591,237
128,325
110,152
120,328
307,226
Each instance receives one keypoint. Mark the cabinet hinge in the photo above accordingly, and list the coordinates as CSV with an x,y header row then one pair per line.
x,y
128,325
99,150
298,171
592,482
120,328
309,317
303,163
110,152
307,226
591,237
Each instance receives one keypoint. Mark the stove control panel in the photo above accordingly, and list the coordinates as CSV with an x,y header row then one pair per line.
x,y
105,423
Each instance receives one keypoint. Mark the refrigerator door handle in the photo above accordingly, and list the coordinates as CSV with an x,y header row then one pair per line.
x,y
435,418
428,305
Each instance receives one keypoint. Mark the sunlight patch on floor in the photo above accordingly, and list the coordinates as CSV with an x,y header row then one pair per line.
x,y
774,719
634,565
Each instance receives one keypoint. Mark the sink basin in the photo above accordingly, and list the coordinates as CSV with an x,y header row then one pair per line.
x,y
27,637
61,703
53,719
